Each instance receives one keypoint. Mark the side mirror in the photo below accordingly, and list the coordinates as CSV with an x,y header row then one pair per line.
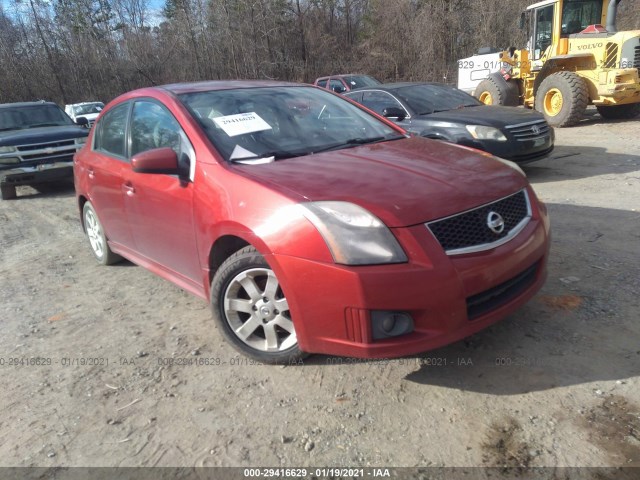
x,y
82,121
523,20
159,160
339,89
394,112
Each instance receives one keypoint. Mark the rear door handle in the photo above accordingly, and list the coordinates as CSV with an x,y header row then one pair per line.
x,y
129,189
91,173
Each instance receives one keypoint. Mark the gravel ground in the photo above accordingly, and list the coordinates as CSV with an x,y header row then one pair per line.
x,y
556,384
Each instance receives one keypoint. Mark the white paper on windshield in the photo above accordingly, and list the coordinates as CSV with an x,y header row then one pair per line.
x,y
240,152
242,123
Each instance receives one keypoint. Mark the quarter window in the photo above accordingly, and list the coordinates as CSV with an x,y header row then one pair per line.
x,y
110,135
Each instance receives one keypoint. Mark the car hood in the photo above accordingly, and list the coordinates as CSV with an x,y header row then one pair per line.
x,y
403,182
88,116
30,136
489,115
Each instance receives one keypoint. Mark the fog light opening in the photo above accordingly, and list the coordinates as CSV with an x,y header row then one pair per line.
x,y
385,324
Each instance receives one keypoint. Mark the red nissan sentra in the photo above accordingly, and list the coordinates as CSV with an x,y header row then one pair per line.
x,y
311,224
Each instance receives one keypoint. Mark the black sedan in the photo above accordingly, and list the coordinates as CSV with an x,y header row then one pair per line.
x,y
442,112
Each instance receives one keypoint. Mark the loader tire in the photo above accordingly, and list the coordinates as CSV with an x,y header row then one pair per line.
x,y
495,90
620,112
562,98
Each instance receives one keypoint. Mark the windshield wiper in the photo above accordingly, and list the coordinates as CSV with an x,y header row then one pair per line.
x,y
352,142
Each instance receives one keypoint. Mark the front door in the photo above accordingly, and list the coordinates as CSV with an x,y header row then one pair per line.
x,y
160,207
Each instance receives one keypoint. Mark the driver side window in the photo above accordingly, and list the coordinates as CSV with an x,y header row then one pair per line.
x,y
337,86
380,101
152,126
543,31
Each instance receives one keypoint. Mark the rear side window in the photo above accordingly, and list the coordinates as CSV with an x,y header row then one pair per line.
x,y
110,136
323,83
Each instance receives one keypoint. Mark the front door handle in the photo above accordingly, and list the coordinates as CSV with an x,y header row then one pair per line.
x,y
129,189
91,173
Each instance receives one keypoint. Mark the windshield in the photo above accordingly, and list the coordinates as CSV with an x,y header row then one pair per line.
x,y
425,99
88,108
358,81
282,122
579,14
18,118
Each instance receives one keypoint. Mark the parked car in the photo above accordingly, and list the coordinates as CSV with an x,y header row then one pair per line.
x,y
310,224
88,110
345,83
442,112
37,144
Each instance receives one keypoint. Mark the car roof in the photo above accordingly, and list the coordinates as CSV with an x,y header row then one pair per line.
x,y
83,103
25,104
344,75
179,88
394,86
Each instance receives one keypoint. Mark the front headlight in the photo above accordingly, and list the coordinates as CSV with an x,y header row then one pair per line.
x,y
8,149
81,141
354,236
9,160
480,132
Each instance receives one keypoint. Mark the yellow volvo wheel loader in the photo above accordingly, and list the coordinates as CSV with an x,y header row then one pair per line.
x,y
571,61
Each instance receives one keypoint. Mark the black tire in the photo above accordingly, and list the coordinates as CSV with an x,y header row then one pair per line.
x,y
573,99
261,317
620,112
97,239
495,90
8,192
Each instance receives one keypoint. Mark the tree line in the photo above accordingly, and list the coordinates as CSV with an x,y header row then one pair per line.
x,y
77,50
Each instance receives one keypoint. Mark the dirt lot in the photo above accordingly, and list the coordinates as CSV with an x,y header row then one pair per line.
x,y
558,383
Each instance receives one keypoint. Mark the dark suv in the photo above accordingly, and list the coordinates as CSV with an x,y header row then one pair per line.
x,y
37,144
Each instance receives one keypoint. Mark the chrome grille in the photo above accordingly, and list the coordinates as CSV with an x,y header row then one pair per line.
x,y
39,146
469,231
51,151
524,132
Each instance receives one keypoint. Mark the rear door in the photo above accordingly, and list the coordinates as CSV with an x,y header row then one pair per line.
x,y
106,170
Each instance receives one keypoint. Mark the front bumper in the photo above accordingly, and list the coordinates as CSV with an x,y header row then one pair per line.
x,y
517,151
44,172
331,304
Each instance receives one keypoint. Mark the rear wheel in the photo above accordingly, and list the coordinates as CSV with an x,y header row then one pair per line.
x,y
495,90
97,238
620,112
562,98
8,192
251,309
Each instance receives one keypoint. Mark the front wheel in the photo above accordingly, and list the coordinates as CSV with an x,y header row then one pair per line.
x,y
620,112
563,98
97,238
8,192
251,309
